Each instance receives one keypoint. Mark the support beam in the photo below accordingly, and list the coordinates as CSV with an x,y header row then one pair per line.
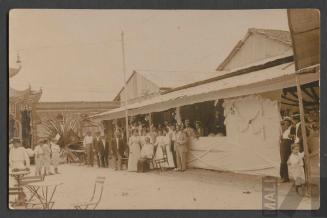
x,y
304,135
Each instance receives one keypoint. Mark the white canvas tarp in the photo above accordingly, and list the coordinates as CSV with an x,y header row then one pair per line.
x,y
252,142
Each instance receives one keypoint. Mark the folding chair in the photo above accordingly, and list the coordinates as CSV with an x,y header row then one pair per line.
x,y
152,161
18,191
95,198
28,180
124,159
161,161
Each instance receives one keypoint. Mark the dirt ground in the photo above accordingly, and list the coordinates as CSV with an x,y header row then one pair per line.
x,y
192,189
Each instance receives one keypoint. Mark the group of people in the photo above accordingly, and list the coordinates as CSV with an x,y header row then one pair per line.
x,y
167,140
102,147
292,152
46,156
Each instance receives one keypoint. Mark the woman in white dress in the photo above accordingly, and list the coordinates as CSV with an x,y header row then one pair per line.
x,y
162,142
134,151
295,165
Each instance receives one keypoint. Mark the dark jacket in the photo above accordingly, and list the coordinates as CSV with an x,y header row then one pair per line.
x,y
117,149
101,148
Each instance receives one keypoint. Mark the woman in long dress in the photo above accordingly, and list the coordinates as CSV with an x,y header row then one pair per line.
x,y
142,136
134,151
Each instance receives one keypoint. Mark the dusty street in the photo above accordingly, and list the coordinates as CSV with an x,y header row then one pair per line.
x,y
193,189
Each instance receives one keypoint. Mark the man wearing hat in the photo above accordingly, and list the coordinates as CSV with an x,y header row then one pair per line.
x,y
285,147
199,129
88,145
117,149
18,157
181,148
97,147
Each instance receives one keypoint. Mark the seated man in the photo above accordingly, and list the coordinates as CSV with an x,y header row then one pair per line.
x,y
147,149
18,157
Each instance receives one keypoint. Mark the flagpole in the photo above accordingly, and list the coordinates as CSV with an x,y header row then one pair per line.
x,y
125,82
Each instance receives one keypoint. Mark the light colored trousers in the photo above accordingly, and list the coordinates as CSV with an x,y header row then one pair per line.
x,y
181,156
89,154
39,162
47,163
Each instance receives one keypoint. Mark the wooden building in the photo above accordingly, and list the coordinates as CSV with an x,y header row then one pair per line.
x,y
73,111
253,84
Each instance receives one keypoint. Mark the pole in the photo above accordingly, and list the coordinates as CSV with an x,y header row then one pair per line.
x,y
304,135
125,82
150,122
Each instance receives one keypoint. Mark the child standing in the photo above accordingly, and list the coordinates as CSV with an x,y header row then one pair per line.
x,y
55,155
47,157
39,157
295,165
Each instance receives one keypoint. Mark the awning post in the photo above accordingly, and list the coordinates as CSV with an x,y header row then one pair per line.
x,y
150,121
304,135
125,83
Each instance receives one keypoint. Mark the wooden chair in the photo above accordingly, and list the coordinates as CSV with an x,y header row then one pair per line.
x,y
161,161
124,159
152,161
95,198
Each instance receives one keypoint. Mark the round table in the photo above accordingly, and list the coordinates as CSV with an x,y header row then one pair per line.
x,y
18,175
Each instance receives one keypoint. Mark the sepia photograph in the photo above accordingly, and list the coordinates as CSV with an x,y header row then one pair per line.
x,y
164,109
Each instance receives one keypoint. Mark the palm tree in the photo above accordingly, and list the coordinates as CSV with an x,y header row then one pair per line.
x,y
65,130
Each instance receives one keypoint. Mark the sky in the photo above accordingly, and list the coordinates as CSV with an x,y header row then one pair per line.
x,y
76,55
